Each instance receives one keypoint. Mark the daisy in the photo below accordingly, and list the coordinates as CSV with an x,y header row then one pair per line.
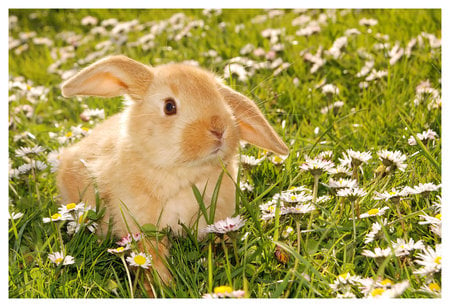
x,y
277,159
57,217
330,89
225,292
425,136
351,193
394,195
403,248
246,186
225,226
298,209
325,155
250,160
376,74
426,188
375,229
53,159
316,166
344,280
335,106
433,288
342,183
140,260
389,291
71,207
58,258
355,158
393,159
377,253
374,212
434,221
368,22
15,215
37,165
292,197
430,259
80,219
129,238
119,250
24,151
340,171
368,65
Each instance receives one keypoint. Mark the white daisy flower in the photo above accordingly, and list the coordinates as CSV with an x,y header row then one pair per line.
x,y
37,165
347,294
225,292
325,155
430,260
368,22
140,260
351,193
58,258
292,197
389,291
118,250
432,287
425,188
57,217
277,159
376,74
377,252
374,231
80,219
225,226
246,186
53,159
316,166
425,136
71,207
394,195
250,160
355,158
343,280
340,171
298,209
335,106
403,248
342,183
15,215
24,151
374,212
330,89
393,159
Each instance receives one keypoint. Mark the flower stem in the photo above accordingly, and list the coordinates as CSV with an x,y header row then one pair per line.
x,y
315,188
353,220
236,256
228,267
210,268
128,274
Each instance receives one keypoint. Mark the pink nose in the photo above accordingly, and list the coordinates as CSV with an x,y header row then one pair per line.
x,y
217,134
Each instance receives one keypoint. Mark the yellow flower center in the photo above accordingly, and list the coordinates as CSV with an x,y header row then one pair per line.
x,y
386,282
71,206
28,87
139,259
120,249
223,289
58,260
277,159
434,287
85,129
438,259
293,197
438,216
292,188
56,216
69,134
377,291
373,211
344,275
392,193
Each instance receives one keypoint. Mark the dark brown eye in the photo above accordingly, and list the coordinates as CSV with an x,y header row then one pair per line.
x,y
170,107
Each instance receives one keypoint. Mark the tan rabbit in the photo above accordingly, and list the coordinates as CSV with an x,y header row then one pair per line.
x,y
180,125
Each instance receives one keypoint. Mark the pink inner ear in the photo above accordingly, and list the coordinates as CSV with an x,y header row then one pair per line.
x,y
103,84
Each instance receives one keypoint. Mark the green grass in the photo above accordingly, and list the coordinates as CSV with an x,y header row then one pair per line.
x,y
373,118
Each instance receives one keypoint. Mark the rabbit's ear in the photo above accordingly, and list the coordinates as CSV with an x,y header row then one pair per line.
x,y
253,126
109,77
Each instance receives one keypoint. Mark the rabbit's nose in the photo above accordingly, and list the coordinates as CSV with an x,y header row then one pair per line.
x,y
217,134
217,127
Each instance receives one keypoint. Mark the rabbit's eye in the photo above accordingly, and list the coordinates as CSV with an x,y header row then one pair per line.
x,y
170,107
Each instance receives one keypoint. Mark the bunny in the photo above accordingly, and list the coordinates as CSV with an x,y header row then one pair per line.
x,y
182,127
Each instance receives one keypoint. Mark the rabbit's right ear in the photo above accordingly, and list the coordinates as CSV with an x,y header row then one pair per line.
x,y
109,77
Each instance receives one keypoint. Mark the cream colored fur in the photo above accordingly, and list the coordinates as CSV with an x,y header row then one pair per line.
x,y
148,160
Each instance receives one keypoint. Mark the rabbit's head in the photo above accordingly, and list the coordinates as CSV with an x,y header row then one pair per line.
x,y
179,114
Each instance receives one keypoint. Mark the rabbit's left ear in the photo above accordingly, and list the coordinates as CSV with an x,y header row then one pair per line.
x,y
253,126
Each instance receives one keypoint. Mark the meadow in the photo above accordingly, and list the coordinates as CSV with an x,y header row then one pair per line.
x,y
354,210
